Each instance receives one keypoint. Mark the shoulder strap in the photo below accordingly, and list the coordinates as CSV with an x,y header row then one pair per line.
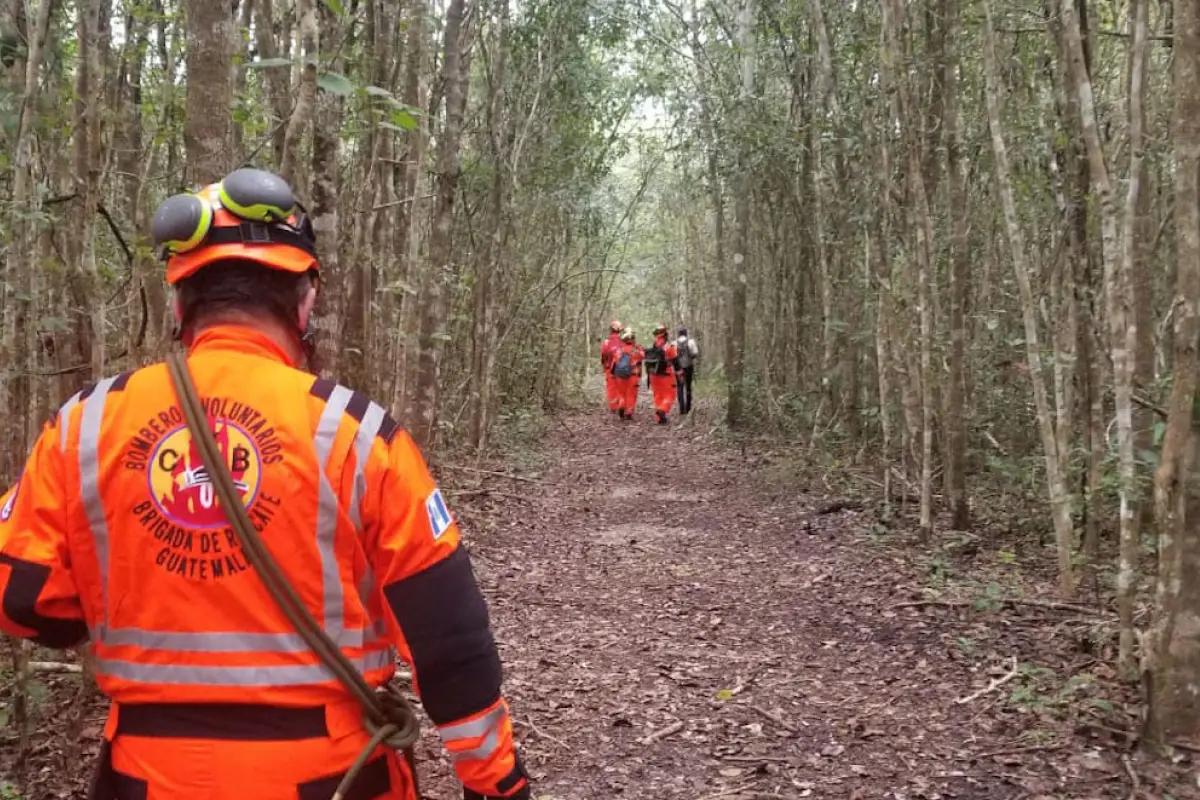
x,y
390,718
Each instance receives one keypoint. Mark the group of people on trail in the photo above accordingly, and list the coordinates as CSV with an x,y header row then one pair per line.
x,y
668,364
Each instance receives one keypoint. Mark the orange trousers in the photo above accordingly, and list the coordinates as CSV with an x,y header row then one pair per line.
x,y
629,393
168,766
613,389
663,387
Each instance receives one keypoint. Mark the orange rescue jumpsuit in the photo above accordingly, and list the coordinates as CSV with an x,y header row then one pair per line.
x,y
628,387
663,386
612,386
113,533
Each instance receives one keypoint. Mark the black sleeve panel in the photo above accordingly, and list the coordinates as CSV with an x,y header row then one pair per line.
x,y
25,584
444,619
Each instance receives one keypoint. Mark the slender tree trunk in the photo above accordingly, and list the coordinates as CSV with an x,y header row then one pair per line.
x,y
1173,647
1117,267
14,380
306,95
957,184
208,130
483,356
1059,491
276,79
736,369
326,192
455,72
922,223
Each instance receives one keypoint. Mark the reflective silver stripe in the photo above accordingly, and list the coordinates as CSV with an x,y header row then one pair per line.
x,y
475,728
332,603
214,642
363,440
89,480
204,642
489,745
64,420
182,674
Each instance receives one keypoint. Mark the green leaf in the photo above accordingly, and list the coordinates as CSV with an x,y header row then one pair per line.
x,y
379,91
1103,705
389,126
336,83
336,7
724,695
404,119
269,63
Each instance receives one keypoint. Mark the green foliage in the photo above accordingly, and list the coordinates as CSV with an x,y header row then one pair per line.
x,y
268,63
335,83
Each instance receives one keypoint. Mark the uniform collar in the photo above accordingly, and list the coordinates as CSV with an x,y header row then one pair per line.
x,y
239,339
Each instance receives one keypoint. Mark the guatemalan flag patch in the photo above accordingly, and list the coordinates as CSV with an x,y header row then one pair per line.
x,y
439,516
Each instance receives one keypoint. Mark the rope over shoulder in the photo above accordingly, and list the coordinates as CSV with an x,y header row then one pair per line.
x,y
387,715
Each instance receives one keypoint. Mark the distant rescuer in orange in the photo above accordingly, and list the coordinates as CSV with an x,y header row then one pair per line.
x,y
113,532
660,373
608,352
627,370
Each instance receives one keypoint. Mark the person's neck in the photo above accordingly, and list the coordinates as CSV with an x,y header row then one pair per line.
x,y
283,336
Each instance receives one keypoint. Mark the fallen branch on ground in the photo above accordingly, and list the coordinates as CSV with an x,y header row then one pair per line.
x,y
996,683
787,726
528,723
731,792
496,473
458,494
54,666
1016,751
839,505
1133,778
662,733
757,759
1056,606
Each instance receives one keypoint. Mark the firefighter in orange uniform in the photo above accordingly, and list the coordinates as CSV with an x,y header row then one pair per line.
x,y
608,352
112,533
660,372
627,370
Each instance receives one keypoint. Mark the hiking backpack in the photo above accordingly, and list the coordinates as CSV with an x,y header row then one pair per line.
x,y
623,366
656,361
687,355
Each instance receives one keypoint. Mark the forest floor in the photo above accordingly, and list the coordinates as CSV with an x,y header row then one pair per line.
x,y
677,624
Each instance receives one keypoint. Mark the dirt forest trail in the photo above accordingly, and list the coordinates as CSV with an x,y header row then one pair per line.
x,y
675,622
674,627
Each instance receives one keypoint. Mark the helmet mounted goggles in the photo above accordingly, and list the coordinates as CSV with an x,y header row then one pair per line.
x,y
251,215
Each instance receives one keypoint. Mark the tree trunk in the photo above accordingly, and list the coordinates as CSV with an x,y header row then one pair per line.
x,y
1060,501
483,356
14,380
1173,647
907,115
306,95
957,184
736,348
325,197
276,79
208,129
1117,269
455,72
